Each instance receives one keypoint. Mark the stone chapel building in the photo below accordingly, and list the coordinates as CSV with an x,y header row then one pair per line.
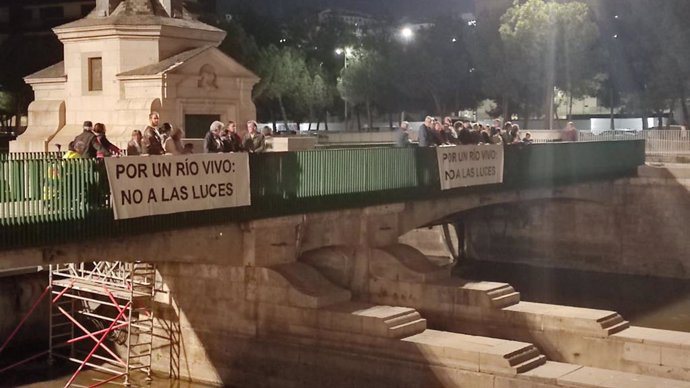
x,y
128,58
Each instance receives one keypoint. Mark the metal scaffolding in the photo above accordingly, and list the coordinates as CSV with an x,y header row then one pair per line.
x,y
101,301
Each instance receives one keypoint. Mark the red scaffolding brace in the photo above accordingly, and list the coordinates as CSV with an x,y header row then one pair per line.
x,y
115,298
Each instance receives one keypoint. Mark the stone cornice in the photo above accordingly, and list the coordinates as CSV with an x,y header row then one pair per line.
x,y
137,31
140,77
54,80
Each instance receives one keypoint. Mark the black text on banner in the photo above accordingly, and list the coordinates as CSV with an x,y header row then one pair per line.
x,y
462,166
147,186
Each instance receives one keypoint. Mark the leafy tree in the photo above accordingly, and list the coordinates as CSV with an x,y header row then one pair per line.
x,y
283,72
667,79
359,83
578,55
319,97
8,107
540,36
646,52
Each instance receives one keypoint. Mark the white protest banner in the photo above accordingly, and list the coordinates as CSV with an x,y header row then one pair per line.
x,y
146,186
470,165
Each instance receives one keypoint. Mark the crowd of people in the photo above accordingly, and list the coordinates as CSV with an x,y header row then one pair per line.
x,y
166,139
224,138
434,133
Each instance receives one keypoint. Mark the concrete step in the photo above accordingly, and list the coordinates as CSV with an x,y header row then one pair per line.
x,y
402,318
503,296
530,364
485,294
617,328
523,355
488,355
613,323
407,329
506,300
372,320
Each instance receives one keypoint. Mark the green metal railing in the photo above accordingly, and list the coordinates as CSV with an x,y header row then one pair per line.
x,y
45,200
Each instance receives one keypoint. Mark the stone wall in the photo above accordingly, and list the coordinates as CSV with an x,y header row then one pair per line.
x,y
642,229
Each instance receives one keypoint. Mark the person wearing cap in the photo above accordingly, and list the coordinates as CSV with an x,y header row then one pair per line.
x,y
89,140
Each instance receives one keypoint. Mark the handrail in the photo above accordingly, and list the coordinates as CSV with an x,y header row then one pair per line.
x,y
45,201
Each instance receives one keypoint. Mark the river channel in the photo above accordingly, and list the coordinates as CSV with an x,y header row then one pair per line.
x,y
644,301
659,303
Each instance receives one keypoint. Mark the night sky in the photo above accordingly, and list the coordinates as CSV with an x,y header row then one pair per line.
x,y
393,9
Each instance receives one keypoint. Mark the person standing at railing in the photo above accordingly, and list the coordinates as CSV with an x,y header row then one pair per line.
x,y
165,132
107,148
505,133
173,144
91,146
231,140
439,136
152,140
425,135
496,125
448,131
74,150
515,134
495,135
212,142
402,138
134,146
570,132
253,140
527,139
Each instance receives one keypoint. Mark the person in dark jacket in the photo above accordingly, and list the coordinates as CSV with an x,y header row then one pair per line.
x,y
425,134
231,140
152,142
212,142
91,147
134,146
402,138
106,147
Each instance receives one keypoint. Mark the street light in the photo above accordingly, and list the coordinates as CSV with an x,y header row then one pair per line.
x,y
345,52
406,33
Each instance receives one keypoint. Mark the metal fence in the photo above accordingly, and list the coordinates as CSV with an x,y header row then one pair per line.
x,y
658,141
45,201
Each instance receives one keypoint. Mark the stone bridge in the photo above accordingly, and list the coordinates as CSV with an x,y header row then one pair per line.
x,y
321,292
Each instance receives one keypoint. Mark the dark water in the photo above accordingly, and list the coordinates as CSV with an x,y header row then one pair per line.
x,y
39,375
659,303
